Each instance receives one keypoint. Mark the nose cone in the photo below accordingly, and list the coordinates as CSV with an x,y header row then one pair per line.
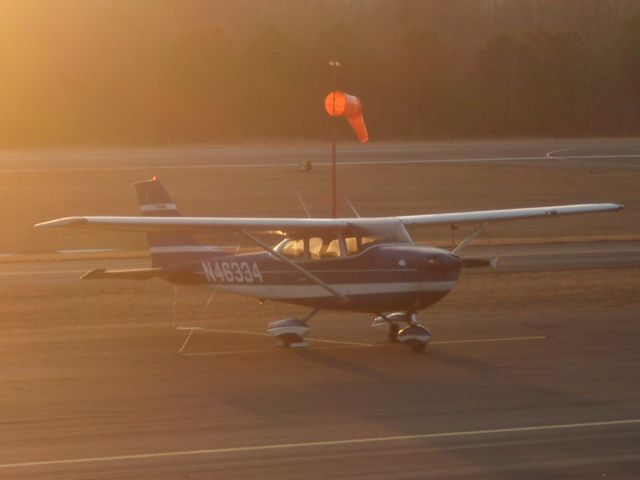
x,y
453,260
440,266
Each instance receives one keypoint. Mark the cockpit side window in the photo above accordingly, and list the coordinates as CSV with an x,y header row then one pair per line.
x,y
293,249
353,245
315,248
321,248
332,248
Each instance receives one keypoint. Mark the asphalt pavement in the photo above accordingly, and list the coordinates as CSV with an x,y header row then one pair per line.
x,y
546,392
621,153
122,380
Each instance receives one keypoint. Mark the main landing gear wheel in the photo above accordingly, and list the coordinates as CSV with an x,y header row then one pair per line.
x,y
289,340
391,320
415,337
289,332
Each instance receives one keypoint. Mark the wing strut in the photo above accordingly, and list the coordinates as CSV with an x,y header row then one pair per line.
x,y
304,271
469,239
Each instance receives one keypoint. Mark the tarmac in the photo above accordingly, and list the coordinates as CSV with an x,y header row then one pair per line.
x,y
537,392
532,371
621,153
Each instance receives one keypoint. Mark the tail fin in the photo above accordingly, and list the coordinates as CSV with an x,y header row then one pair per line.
x,y
167,248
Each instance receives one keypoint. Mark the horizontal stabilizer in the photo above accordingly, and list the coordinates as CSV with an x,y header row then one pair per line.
x,y
131,274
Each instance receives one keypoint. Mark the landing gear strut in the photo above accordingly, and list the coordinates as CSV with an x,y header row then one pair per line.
x,y
414,335
393,332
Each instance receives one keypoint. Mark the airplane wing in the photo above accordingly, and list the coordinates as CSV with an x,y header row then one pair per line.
x,y
509,214
281,225
198,224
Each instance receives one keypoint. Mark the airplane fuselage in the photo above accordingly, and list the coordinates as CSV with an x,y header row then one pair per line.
x,y
381,278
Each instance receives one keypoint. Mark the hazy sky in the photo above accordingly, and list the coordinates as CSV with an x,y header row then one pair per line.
x,y
104,71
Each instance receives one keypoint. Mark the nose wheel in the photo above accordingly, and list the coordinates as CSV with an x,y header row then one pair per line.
x,y
289,332
415,337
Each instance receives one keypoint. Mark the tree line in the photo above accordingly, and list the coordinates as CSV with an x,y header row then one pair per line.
x,y
132,81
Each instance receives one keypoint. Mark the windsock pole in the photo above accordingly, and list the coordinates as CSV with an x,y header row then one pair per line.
x,y
334,67
340,104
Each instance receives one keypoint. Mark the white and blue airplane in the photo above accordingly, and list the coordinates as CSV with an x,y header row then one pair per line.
x,y
358,264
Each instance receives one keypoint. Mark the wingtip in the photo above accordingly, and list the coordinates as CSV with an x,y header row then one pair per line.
x,y
61,222
614,207
96,273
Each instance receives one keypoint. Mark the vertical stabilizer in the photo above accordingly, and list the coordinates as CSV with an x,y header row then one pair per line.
x,y
167,248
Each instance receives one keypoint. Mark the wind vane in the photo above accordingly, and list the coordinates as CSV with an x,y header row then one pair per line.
x,y
340,104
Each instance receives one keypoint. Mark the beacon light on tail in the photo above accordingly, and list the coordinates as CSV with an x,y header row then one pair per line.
x,y
340,104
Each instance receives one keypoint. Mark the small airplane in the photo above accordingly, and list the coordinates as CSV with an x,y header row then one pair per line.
x,y
368,265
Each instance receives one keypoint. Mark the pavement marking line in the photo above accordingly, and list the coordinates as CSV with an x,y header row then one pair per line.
x,y
42,272
321,163
217,330
260,334
553,152
322,443
264,350
186,341
340,342
347,345
488,340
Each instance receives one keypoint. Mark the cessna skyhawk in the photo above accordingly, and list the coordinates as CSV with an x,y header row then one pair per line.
x,y
366,265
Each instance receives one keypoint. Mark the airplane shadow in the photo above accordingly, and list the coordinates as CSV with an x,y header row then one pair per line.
x,y
320,358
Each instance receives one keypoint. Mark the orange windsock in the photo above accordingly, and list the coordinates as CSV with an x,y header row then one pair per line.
x,y
340,104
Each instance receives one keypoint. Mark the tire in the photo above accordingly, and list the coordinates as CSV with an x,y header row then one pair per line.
x,y
288,339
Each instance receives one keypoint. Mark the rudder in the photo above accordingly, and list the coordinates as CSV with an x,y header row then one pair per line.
x,y
167,248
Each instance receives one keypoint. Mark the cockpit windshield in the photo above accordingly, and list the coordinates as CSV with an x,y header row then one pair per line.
x,y
293,248
356,244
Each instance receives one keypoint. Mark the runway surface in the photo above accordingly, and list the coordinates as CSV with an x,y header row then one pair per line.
x,y
619,153
532,372
100,381
559,256
119,403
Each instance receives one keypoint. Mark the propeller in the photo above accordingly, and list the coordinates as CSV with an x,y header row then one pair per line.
x,y
479,262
